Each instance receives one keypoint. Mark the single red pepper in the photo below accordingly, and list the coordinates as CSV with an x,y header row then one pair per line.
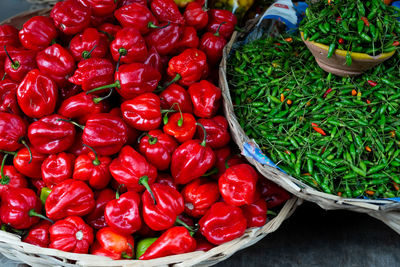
x,y
202,243
166,179
57,63
217,131
92,169
273,194
213,45
101,8
341,41
137,16
37,94
19,63
167,11
199,195
318,129
206,98
188,67
222,223
327,92
372,83
191,160
29,162
189,39
255,213
176,94
365,20
51,135
71,234
10,178
142,112
88,44
225,159
38,33
128,46
154,60
218,16
129,167
122,214
57,168
8,97
70,16
396,43
238,185
182,126
113,244
158,147
13,129
9,36
69,198
39,234
110,30
196,15
96,217
165,38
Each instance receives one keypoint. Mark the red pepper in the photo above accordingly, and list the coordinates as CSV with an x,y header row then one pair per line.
x,y
10,178
19,63
70,16
57,63
78,147
29,163
166,179
224,159
338,19
206,98
51,135
365,20
39,234
101,8
158,147
217,131
37,94
182,126
110,30
222,223
96,218
92,169
188,67
189,39
12,131
191,160
196,15
9,36
396,43
38,184
218,16
318,129
202,243
176,94
327,92
238,185
113,244
129,167
154,60
161,206
167,11
142,112
174,241
71,234
133,134
213,45
372,83
199,195
165,38
68,91
57,168
273,194
122,213
8,97
341,41
129,46
255,213
137,16
38,33
88,44
69,198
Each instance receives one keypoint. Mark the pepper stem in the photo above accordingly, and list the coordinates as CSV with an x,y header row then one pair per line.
x,y
86,54
205,7
117,195
5,179
180,222
72,122
212,172
32,213
152,139
203,143
29,150
96,161
219,27
144,180
109,36
14,64
124,255
116,84
151,25
97,100
177,78
8,152
165,118
122,52
4,76
180,121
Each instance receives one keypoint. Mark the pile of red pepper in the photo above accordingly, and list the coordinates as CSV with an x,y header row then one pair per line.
x,y
110,112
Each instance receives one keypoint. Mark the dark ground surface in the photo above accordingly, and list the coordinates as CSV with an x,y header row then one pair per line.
x,y
312,236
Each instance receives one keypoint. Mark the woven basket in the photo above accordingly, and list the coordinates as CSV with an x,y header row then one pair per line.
x,y
387,211
13,248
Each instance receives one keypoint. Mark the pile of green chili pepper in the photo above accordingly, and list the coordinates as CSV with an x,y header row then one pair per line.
x,y
339,135
353,25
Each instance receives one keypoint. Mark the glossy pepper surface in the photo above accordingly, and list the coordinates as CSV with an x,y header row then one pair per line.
x,y
189,39
154,60
39,234
255,213
19,63
70,16
8,97
128,46
88,44
167,11
57,168
10,178
196,15
137,16
176,94
29,163
143,245
217,131
181,126
165,38
206,98
226,158
96,217
101,7
218,16
113,244
213,45
8,36
38,33
12,130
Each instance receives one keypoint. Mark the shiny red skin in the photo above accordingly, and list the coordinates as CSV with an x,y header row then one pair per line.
x,y
8,97
203,244
57,168
166,11
26,60
196,16
154,60
71,234
137,16
96,217
110,29
101,7
213,45
32,170
49,135
158,147
69,198
255,213
123,215
199,195
142,112
78,148
86,41
129,167
12,129
16,180
8,36
217,131
189,39
190,161
224,156
10,49
37,94
134,44
176,94
166,179
136,79
133,134
98,176
106,133
174,241
222,223
70,16
39,234
216,17
238,185
165,39
182,133
57,63
38,33
273,194
112,244
206,98
15,206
